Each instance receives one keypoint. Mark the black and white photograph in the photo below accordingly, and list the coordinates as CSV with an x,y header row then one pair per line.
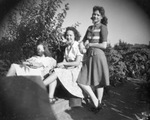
x,y
74,60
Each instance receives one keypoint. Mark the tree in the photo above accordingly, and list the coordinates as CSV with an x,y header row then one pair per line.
x,y
122,45
30,22
43,21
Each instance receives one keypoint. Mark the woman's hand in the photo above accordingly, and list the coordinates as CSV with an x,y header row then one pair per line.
x,y
36,65
25,63
98,45
60,65
82,48
88,45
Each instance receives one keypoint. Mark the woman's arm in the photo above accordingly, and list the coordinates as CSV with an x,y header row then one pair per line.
x,y
38,65
103,37
26,63
35,65
82,47
70,64
102,45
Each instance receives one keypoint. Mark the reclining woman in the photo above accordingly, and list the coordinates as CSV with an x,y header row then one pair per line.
x,y
68,70
38,65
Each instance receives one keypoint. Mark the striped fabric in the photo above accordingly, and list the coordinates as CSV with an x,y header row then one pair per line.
x,y
95,33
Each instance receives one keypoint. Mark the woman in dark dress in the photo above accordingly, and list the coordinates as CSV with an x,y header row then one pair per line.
x,y
95,73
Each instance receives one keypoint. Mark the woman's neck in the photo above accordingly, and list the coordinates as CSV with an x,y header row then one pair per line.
x,y
96,23
42,55
71,43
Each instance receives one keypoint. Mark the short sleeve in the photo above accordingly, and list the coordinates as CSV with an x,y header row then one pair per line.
x,y
49,62
78,51
85,37
86,34
104,33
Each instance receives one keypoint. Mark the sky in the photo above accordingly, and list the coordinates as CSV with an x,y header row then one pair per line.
x,y
126,20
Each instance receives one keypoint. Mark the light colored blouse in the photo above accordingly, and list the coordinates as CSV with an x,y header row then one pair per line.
x,y
45,61
71,52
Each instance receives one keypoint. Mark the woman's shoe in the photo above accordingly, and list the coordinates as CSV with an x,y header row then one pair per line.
x,y
87,100
97,109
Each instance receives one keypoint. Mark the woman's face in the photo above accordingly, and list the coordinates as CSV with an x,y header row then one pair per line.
x,y
96,17
70,37
40,50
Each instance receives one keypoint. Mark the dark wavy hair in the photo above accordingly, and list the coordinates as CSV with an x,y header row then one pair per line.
x,y
75,31
45,46
101,10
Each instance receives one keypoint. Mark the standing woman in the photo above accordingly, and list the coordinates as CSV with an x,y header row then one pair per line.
x,y
95,72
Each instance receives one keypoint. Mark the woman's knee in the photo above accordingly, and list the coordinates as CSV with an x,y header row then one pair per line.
x,y
84,86
12,70
13,65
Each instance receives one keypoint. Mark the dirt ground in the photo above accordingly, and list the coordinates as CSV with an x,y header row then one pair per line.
x,y
121,104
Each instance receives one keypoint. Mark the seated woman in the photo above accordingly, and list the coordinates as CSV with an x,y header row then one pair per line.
x,y
68,70
35,66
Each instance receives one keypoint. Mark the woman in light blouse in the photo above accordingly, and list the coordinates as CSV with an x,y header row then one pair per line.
x,y
38,65
68,70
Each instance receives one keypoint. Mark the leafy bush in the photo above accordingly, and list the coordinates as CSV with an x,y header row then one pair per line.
x,y
117,67
36,22
138,63
128,61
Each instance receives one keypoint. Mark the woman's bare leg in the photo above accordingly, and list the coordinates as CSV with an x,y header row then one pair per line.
x,y
50,79
100,92
11,71
52,88
52,82
90,92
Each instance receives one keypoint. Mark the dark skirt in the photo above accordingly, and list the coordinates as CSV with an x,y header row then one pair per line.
x,y
95,70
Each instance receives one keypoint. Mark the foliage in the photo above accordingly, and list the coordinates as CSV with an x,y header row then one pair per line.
x,y
117,67
135,59
122,46
138,63
44,23
27,24
131,62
